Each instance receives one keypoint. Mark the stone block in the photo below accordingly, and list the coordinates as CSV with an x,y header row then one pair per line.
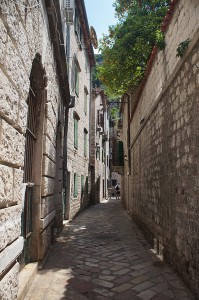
x,y
47,205
47,186
50,114
18,186
49,167
6,184
10,225
3,39
45,238
15,70
50,131
49,149
22,115
12,145
9,99
9,284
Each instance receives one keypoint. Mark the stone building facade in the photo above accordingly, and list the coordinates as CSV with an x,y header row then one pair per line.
x,y
34,97
160,134
81,59
99,146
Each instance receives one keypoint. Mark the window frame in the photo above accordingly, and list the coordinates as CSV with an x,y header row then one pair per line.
x,y
85,142
75,192
76,119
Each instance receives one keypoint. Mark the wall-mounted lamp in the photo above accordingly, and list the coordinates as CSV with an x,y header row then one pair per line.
x,y
125,157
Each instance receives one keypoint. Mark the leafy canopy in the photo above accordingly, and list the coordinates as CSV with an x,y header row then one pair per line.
x,y
128,45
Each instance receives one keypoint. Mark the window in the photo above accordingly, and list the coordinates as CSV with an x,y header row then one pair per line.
x,y
98,151
86,185
75,185
76,119
77,80
78,30
85,142
82,185
102,155
85,100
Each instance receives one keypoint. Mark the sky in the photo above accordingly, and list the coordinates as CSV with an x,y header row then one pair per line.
x,y
100,15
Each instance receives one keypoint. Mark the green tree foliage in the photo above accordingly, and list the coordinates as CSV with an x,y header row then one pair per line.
x,y
128,45
95,78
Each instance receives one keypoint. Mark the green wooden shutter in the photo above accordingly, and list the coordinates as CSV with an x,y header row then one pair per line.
x,y
85,143
75,185
75,133
76,80
82,185
85,102
86,185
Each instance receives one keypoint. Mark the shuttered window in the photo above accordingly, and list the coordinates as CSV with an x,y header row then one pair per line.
x,y
85,142
82,185
85,101
75,185
86,185
76,133
77,80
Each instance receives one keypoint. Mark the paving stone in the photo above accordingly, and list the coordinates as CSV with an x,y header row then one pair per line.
x,y
140,279
127,295
160,287
122,287
104,292
138,272
107,278
143,286
103,283
169,293
146,295
122,272
162,296
123,279
113,267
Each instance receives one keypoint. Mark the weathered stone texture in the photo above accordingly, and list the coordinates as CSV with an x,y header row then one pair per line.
x,y
50,113
12,145
10,225
76,161
166,61
45,239
47,205
50,131
17,186
9,99
49,149
48,167
9,284
6,183
165,167
47,186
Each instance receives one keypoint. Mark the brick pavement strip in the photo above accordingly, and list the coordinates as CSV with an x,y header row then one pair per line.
x,y
98,258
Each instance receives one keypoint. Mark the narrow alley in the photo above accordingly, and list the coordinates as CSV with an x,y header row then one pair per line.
x,y
99,257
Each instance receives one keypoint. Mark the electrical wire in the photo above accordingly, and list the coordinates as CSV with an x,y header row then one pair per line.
x,y
26,6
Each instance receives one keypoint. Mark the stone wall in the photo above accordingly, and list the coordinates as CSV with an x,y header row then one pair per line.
x,y
163,184
23,34
101,170
77,163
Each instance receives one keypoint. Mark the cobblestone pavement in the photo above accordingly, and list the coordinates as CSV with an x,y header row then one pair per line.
x,y
102,255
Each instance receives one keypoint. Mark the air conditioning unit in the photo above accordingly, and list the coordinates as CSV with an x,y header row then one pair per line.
x,y
68,11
